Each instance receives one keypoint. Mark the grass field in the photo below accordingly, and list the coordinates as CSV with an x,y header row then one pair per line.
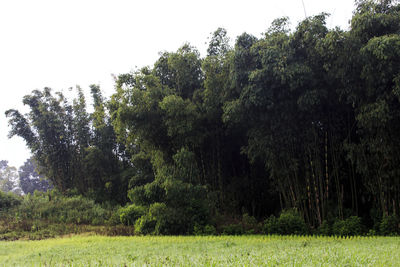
x,y
203,251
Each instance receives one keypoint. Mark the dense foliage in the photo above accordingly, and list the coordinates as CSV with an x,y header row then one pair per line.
x,y
30,180
51,214
304,120
8,178
73,149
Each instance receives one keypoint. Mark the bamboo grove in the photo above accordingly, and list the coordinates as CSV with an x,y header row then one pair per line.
x,y
306,118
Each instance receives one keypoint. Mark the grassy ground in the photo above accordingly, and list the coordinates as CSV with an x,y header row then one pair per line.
x,y
202,251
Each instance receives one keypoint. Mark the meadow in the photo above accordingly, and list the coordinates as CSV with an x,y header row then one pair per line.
x,y
203,251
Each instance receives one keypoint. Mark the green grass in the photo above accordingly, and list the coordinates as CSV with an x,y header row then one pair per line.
x,y
203,251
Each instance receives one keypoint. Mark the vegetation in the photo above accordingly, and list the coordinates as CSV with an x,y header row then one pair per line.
x,y
30,181
203,251
8,178
301,127
44,215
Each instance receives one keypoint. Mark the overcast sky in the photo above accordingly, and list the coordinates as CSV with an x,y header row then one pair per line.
x,y
61,44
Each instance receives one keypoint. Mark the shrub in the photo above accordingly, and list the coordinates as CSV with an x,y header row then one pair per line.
x,y
289,222
390,225
175,200
56,208
115,216
206,230
165,221
198,229
271,225
371,232
339,228
129,214
209,230
183,205
145,225
8,200
159,220
146,194
350,226
250,224
325,229
233,229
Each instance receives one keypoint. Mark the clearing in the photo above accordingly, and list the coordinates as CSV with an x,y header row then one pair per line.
x,y
203,251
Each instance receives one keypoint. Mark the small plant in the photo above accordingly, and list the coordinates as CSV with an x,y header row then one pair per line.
x,y
206,230
233,229
349,227
390,225
209,230
8,200
250,224
325,229
289,222
271,225
145,225
129,214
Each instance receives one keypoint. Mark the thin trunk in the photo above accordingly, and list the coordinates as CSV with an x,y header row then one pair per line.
x,y
219,168
355,187
382,197
316,193
309,194
203,169
326,168
337,184
394,207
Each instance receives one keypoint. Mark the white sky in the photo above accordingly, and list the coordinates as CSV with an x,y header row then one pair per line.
x,y
61,44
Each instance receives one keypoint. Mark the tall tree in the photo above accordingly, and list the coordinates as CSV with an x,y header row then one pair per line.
x,y
75,150
8,178
30,180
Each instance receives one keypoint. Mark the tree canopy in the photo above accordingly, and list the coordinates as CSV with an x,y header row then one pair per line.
x,y
306,118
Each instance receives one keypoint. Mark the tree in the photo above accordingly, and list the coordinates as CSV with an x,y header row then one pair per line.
x,y
30,180
375,45
219,43
47,130
8,178
305,119
73,149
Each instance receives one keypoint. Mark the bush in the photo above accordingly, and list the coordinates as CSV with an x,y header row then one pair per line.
x,y
371,232
115,216
146,194
233,229
325,229
390,225
56,208
8,200
145,225
165,220
339,228
183,205
209,230
250,224
159,220
175,200
350,226
198,229
271,225
206,230
289,222
129,214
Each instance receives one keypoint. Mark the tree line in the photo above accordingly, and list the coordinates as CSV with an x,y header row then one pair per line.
x,y
24,180
306,119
